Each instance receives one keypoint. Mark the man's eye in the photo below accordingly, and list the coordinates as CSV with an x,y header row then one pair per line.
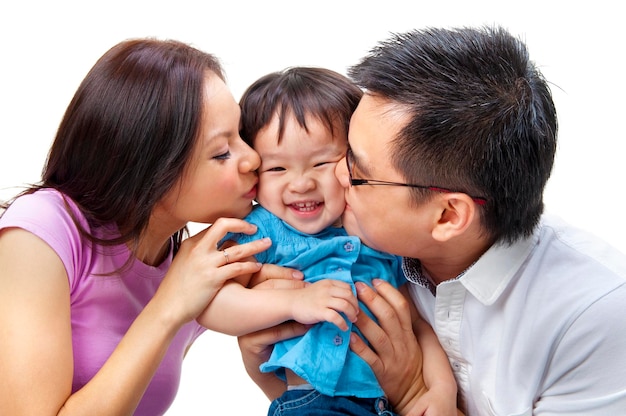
x,y
223,156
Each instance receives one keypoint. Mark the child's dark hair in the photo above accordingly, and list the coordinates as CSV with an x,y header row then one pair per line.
x,y
301,91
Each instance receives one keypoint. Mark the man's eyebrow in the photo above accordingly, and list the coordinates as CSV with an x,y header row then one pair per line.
x,y
358,162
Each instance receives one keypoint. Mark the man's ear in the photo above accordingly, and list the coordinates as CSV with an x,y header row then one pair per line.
x,y
457,214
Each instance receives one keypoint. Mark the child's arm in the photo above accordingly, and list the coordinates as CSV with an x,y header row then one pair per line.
x,y
238,310
438,377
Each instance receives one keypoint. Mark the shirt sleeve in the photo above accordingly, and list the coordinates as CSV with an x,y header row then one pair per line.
x,y
46,214
587,374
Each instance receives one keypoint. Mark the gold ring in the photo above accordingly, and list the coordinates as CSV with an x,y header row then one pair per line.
x,y
226,256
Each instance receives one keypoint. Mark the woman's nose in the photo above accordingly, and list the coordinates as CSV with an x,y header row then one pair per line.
x,y
250,160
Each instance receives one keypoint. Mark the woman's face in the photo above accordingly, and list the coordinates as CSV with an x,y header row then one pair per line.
x,y
220,180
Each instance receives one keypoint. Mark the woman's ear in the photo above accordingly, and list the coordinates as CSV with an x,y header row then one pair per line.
x,y
458,212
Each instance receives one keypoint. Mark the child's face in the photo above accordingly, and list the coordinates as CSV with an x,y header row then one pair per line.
x,y
297,179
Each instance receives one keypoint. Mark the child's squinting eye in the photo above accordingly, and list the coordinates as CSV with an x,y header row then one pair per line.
x,y
276,169
325,163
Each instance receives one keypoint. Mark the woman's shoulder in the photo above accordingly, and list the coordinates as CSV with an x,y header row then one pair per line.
x,y
46,196
54,218
44,206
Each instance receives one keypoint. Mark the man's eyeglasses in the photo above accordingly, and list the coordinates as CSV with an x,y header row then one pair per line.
x,y
356,182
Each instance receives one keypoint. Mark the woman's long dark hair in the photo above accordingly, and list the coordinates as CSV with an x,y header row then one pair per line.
x,y
128,133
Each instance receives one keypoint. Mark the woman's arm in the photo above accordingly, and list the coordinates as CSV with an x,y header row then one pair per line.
x,y
36,360
36,347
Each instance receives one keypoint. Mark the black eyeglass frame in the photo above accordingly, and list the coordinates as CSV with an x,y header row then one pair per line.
x,y
357,182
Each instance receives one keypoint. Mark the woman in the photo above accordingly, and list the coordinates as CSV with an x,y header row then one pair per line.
x,y
98,290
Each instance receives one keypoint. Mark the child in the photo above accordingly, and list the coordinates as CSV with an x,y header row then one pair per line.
x,y
297,120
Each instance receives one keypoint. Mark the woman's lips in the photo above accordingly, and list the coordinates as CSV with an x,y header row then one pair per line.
x,y
251,193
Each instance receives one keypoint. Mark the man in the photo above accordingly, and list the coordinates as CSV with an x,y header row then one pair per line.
x,y
459,129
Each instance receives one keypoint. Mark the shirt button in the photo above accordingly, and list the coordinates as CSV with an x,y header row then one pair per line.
x,y
456,365
348,246
338,340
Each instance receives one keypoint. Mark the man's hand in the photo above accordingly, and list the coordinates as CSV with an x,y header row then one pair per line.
x,y
393,353
256,349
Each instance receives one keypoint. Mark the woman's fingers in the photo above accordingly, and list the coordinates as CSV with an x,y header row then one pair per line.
x,y
200,269
245,251
240,256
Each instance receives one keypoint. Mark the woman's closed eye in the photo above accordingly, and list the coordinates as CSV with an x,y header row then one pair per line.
x,y
223,156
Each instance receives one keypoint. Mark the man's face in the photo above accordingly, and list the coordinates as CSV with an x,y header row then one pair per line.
x,y
382,216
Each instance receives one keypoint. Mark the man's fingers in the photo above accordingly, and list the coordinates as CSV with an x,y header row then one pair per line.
x,y
377,304
261,340
397,302
359,347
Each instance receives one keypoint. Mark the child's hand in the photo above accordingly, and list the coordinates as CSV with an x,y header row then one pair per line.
x,y
323,301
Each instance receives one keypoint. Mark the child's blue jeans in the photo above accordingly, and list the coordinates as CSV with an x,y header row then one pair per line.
x,y
313,403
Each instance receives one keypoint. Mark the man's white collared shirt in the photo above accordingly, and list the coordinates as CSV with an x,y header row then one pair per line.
x,y
536,328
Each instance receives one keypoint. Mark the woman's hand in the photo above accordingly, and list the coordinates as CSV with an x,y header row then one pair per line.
x,y
199,269
394,354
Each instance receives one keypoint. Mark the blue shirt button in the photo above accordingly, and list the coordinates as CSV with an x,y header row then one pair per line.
x,y
338,340
348,246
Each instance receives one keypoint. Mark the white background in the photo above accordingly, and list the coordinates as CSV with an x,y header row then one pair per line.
x,y
48,46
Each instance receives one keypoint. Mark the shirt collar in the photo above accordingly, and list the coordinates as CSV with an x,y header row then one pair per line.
x,y
487,278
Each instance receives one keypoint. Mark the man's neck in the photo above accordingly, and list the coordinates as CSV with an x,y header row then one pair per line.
x,y
454,262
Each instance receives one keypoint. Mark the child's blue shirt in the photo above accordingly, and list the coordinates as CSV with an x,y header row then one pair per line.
x,y
322,356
